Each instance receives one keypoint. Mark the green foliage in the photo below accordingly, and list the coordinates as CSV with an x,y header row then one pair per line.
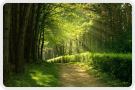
x,y
119,65
35,75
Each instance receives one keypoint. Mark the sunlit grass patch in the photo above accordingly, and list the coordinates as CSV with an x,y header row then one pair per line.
x,y
45,80
35,75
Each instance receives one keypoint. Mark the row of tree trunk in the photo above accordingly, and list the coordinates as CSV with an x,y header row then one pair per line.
x,y
21,31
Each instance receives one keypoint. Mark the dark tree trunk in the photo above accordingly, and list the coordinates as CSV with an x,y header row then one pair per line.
x,y
70,49
11,48
36,34
6,30
14,36
32,24
63,50
77,46
19,67
42,45
39,47
57,50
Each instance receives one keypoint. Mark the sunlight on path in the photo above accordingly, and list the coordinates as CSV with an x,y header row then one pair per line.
x,y
74,76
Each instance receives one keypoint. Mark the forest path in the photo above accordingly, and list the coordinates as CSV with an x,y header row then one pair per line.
x,y
71,75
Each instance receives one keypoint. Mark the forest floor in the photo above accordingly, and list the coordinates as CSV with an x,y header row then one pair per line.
x,y
35,75
71,75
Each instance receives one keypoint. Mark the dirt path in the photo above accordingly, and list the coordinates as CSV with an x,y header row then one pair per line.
x,y
73,76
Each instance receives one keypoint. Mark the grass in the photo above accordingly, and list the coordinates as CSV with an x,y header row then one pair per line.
x,y
35,75
102,76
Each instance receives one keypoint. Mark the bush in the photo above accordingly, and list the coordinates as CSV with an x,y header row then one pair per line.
x,y
119,65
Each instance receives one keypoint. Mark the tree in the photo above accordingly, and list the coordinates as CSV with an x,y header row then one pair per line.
x,y
6,30
19,66
36,33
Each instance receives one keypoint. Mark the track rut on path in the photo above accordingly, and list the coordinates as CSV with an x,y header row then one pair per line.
x,y
71,75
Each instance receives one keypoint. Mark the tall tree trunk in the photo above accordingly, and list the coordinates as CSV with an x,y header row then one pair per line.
x,y
6,30
19,67
36,33
28,37
12,56
90,42
42,45
63,50
57,50
43,25
70,49
32,24
14,36
39,47
77,47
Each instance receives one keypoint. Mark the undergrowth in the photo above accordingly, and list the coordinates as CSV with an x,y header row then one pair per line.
x,y
35,75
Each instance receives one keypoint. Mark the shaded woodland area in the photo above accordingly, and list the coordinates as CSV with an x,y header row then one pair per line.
x,y
42,31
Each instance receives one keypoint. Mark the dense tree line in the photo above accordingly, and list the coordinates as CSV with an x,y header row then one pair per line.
x,y
112,30
23,29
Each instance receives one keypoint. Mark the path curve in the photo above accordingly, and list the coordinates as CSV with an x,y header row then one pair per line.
x,y
71,75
